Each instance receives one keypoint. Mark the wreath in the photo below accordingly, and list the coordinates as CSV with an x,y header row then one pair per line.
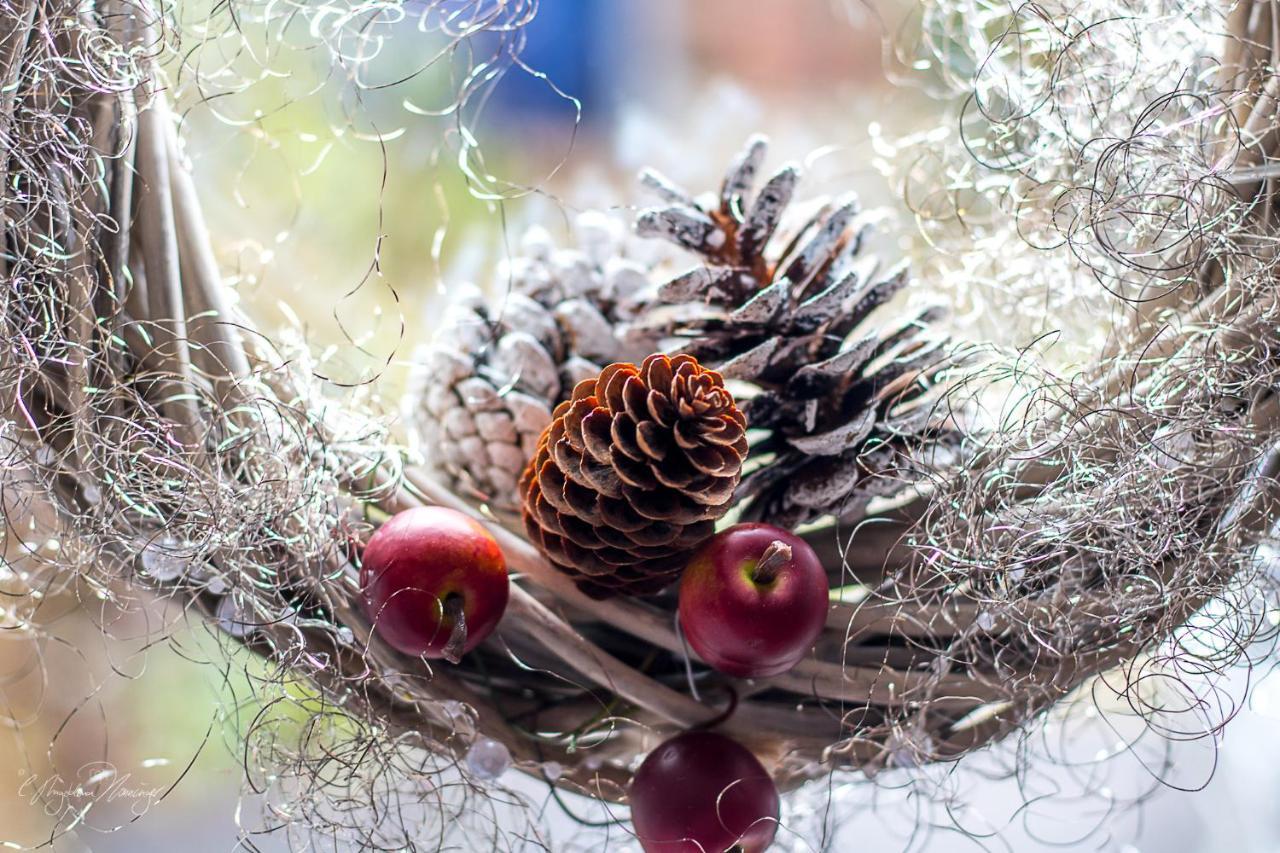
x,y
723,488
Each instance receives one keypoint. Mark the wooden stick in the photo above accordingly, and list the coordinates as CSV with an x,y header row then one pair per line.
x,y
120,27
1230,72
531,616
15,32
170,355
214,330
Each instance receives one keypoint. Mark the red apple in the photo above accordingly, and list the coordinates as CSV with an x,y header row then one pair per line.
x,y
434,582
753,600
702,792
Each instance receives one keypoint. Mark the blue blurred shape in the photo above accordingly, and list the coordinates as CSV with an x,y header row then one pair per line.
x,y
575,44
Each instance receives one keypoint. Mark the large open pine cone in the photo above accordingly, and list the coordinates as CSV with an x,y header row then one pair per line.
x,y
483,391
633,472
841,402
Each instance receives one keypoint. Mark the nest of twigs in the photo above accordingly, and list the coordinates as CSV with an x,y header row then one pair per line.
x,y
170,444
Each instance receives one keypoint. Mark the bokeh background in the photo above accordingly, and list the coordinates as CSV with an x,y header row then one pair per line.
x,y
348,204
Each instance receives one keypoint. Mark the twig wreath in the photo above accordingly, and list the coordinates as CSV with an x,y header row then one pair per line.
x,y
981,568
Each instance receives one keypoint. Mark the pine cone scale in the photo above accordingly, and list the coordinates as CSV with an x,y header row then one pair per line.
x,y
814,380
741,175
837,440
602,479
713,461
620,515
597,436
631,398
820,252
664,189
752,362
675,476
766,213
652,440
825,305
715,494
633,473
697,283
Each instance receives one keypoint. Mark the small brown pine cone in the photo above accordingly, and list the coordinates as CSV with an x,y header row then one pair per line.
x,y
632,474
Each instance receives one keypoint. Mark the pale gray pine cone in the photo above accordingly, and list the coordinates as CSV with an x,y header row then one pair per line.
x,y
849,409
483,390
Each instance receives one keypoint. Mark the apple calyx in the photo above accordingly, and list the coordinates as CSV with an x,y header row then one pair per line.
x,y
777,555
456,613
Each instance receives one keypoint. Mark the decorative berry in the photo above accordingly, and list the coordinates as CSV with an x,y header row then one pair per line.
x,y
753,600
702,792
488,759
434,582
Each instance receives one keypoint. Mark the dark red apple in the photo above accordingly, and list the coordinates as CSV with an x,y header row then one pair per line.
x,y
434,582
753,600
702,792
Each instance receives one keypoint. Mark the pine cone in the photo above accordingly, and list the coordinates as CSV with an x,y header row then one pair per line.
x,y
483,391
632,474
841,402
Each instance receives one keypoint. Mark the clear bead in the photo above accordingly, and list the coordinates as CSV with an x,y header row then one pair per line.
x,y
234,619
163,560
909,749
487,759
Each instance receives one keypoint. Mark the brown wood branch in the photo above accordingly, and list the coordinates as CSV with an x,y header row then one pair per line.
x,y
170,354
1251,55
1237,22
212,323
121,151
15,33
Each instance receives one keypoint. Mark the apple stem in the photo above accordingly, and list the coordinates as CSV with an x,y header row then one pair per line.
x,y
723,715
777,555
454,610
